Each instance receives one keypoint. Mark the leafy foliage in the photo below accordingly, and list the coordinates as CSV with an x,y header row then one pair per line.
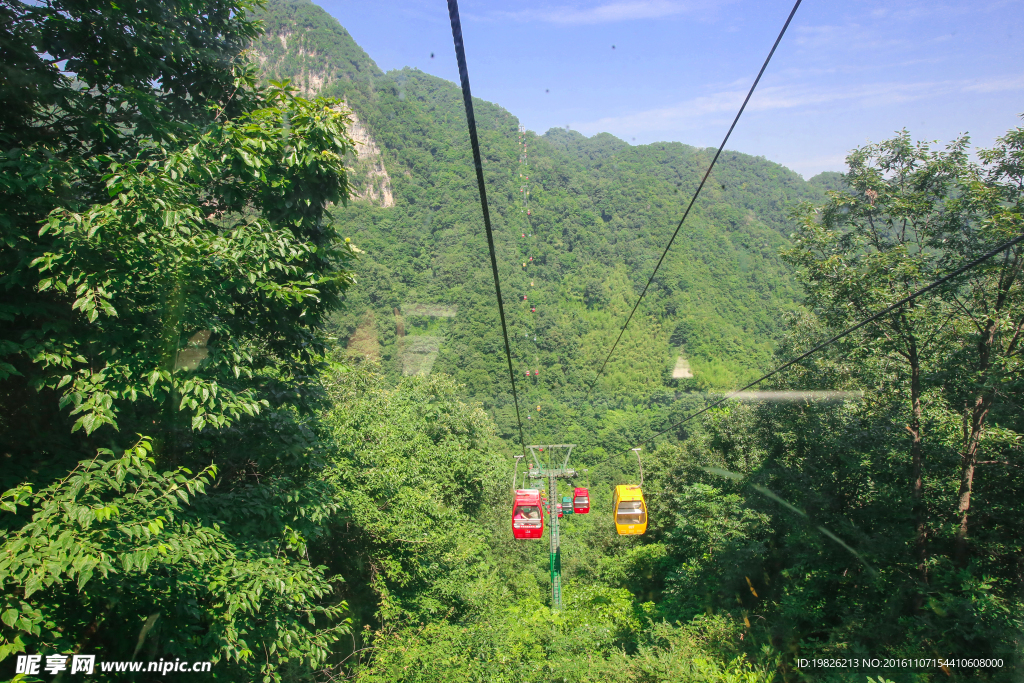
x,y
410,467
172,264
116,538
167,265
220,277
869,525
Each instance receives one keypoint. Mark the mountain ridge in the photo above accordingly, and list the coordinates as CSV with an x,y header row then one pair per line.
x,y
577,236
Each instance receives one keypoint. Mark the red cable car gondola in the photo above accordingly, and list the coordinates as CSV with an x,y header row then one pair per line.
x,y
580,501
527,518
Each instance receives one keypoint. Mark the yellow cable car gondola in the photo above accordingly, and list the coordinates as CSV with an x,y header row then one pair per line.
x,y
630,510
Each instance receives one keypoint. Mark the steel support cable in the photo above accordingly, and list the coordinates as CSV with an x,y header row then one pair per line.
x,y
902,302
695,195
467,96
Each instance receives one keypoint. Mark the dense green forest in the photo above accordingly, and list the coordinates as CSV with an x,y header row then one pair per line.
x,y
600,212
254,407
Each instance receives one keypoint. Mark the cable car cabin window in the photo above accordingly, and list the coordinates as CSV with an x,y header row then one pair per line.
x,y
526,516
581,500
630,512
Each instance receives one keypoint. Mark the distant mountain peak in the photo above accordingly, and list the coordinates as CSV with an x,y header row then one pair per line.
x,y
306,44
578,224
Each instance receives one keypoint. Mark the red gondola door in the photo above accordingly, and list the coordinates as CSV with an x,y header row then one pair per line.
x,y
580,501
527,514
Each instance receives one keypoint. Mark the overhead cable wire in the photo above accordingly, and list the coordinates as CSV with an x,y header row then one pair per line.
x,y
467,96
695,195
902,302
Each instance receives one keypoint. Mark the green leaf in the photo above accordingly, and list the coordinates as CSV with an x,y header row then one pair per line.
x,y
32,584
83,578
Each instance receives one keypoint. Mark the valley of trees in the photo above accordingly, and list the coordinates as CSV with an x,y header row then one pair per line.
x,y
254,405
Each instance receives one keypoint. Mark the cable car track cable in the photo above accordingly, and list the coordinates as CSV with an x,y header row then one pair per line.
x,y
467,96
902,302
696,194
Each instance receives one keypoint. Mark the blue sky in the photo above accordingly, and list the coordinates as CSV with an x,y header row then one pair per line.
x,y
845,74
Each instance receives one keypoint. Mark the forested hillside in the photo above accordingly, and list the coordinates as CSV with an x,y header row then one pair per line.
x,y
255,413
579,224
600,212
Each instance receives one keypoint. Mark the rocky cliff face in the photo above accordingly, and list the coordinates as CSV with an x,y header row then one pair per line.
x,y
307,46
370,180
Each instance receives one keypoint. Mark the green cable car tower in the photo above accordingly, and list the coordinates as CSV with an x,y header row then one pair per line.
x,y
545,467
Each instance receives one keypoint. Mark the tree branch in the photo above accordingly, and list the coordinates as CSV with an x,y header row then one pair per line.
x,y
977,324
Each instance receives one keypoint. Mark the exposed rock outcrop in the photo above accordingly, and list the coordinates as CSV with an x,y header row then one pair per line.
x,y
369,179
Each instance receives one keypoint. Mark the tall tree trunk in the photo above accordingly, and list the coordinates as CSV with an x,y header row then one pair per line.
x,y
917,475
969,456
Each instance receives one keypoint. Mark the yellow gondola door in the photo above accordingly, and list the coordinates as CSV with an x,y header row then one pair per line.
x,y
630,510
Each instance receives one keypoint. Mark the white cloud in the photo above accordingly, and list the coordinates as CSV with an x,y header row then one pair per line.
x,y
997,84
610,12
591,12
916,11
851,36
812,166
709,109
